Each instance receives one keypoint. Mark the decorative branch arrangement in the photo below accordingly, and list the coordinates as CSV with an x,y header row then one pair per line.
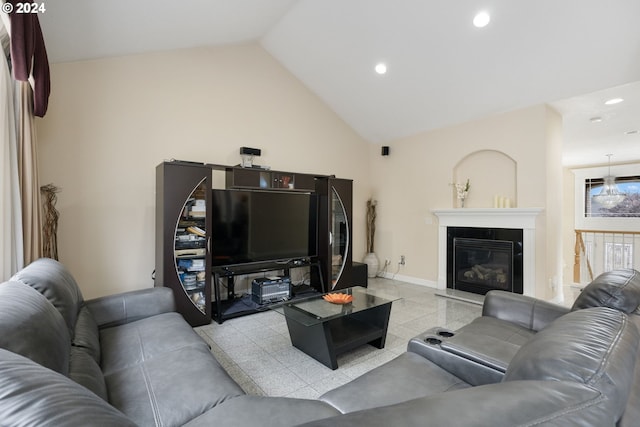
x,y
371,224
50,226
462,191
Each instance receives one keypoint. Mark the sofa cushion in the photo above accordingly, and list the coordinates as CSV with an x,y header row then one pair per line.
x,y
488,341
172,388
115,310
596,347
619,289
406,377
528,312
32,395
84,370
142,340
56,283
32,327
86,334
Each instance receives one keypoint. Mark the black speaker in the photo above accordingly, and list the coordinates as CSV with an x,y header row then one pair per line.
x,y
250,151
385,150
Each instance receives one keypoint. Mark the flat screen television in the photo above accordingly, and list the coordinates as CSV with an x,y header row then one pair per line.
x,y
261,226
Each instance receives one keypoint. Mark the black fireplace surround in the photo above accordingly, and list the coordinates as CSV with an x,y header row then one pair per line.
x,y
481,259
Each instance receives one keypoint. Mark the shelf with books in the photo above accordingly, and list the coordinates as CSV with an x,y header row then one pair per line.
x,y
190,247
183,260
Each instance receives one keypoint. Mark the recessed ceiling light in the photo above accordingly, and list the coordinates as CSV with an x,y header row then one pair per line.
x,y
595,119
481,19
381,68
613,101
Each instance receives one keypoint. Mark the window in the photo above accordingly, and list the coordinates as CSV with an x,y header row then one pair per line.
x,y
630,205
623,217
618,255
606,251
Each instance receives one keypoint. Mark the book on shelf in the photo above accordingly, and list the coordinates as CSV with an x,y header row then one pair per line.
x,y
191,265
191,244
191,252
184,223
194,229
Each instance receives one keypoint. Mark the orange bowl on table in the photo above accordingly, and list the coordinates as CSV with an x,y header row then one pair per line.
x,y
338,298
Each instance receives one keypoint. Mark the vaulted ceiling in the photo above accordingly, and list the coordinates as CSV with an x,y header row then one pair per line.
x,y
441,69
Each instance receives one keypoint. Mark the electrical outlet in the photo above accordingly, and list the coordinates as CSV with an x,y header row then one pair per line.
x,y
402,260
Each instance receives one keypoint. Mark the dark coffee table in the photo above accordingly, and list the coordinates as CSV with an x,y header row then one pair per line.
x,y
324,330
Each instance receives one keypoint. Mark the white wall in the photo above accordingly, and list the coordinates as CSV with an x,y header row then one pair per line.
x,y
111,121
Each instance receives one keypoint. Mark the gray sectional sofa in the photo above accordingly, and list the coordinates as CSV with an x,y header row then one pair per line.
x,y
127,359
130,359
496,370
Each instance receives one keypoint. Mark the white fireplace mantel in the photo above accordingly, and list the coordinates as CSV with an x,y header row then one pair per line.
x,y
517,218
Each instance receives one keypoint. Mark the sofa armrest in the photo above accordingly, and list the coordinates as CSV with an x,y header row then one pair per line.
x,y
128,307
264,411
525,311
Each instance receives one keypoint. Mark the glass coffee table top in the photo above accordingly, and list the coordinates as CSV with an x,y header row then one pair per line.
x,y
315,310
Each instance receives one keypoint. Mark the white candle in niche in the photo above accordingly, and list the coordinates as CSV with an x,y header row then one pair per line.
x,y
501,202
496,198
508,203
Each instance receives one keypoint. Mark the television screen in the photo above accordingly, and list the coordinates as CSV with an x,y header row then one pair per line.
x,y
255,226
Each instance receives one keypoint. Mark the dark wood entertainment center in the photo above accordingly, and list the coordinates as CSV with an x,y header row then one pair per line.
x,y
184,238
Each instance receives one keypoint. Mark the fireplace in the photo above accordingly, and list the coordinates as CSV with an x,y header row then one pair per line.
x,y
482,259
520,219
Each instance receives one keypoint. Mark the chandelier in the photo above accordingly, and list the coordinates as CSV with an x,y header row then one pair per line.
x,y
609,196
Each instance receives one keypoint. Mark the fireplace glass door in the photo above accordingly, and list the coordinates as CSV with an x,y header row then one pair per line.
x,y
481,265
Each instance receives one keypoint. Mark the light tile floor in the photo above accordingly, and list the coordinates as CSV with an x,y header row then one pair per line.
x,y
257,352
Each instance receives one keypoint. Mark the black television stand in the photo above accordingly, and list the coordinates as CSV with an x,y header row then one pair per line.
x,y
234,306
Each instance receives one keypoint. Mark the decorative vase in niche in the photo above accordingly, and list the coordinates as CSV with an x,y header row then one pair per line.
x,y
372,264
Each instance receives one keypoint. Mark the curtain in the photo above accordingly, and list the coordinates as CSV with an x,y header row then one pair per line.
x,y
28,173
11,249
30,68
20,208
29,56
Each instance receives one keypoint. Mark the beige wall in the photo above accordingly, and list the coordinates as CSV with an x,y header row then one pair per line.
x,y
415,178
111,121
553,178
568,225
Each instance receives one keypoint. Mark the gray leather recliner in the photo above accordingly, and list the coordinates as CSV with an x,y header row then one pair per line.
x,y
575,372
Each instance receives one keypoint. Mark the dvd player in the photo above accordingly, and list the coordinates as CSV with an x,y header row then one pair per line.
x,y
270,289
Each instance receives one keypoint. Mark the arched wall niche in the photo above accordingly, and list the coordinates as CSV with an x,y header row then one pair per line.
x,y
491,174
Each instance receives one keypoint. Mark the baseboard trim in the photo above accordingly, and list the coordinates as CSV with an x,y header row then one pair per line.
x,y
461,296
410,279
